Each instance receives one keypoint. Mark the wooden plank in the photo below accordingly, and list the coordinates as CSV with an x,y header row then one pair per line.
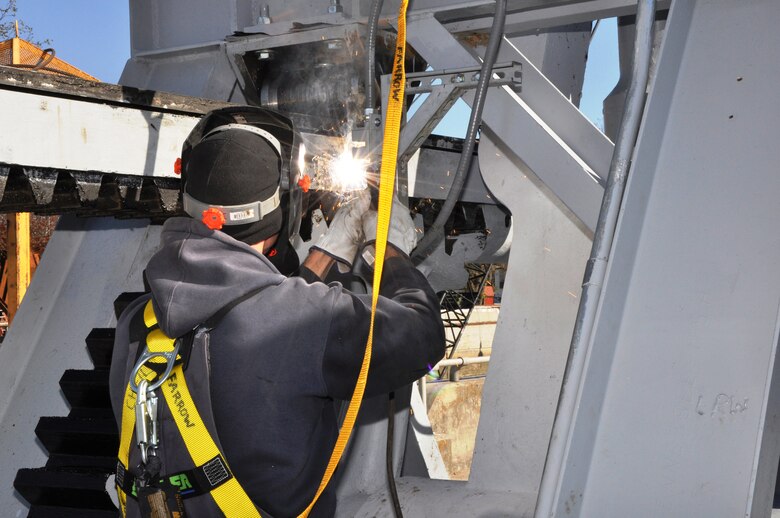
x,y
15,51
18,260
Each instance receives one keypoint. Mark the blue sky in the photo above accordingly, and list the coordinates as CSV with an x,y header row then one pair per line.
x,y
94,35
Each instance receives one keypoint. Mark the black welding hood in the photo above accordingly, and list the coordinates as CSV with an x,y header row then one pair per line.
x,y
241,174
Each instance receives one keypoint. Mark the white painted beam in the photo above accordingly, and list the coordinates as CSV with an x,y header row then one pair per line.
x,y
63,133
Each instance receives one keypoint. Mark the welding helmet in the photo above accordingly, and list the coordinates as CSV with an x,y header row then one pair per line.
x,y
241,171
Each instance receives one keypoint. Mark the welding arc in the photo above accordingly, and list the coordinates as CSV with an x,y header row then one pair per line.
x,y
432,236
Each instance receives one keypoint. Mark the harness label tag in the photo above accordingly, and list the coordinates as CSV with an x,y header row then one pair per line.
x,y
216,472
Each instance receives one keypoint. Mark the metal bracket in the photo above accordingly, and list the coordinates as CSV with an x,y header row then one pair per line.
x,y
505,74
444,88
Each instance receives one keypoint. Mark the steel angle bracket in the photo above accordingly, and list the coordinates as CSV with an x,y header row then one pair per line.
x,y
504,74
444,88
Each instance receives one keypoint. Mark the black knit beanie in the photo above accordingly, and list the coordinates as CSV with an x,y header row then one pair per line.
x,y
234,167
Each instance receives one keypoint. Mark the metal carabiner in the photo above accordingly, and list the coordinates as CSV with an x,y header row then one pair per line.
x,y
170,358
141,428
146,432
151,414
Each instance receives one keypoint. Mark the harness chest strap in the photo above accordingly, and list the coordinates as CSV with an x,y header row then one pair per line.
x,y
227,492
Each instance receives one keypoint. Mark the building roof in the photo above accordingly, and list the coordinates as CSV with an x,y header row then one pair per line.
x,y
22,53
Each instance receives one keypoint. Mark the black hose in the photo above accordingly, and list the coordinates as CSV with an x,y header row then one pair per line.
x,y
373,27
389,457
432,238
46,58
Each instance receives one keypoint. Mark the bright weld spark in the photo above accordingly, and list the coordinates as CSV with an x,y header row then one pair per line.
x,y
348,173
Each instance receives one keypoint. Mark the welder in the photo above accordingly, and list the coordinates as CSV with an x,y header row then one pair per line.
x,y
251,362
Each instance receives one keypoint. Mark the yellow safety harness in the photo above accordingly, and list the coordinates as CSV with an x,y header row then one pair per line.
x,y
229,496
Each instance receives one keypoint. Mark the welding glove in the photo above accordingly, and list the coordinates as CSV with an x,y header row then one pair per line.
x,y
402,233
345,232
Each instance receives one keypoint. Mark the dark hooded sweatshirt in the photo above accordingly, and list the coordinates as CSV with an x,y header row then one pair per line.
x,y
283,360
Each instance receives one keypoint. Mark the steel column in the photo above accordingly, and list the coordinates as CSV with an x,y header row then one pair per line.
x,y
676,413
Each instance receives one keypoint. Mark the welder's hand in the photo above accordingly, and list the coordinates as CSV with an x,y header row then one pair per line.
x,y
402,233
345,232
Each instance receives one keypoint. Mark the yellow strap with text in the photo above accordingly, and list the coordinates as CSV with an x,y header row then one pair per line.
x,y
386,184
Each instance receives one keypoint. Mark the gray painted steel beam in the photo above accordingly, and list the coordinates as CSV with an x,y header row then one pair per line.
x,y
533,333
551,153
548,16
424,120
677,409
546,102
433,175
448,11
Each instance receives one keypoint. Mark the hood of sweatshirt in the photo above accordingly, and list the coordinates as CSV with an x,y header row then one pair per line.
x,y
197,271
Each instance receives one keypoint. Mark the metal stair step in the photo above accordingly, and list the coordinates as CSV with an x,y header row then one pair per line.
x,y
82,446
81,462
69,489
100,344
68,435
86,388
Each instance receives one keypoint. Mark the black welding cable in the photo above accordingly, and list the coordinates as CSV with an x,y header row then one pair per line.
x,y
46,58
389,457
432,236
373,27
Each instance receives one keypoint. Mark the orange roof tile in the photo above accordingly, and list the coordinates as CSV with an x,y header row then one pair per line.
x,y
31,55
